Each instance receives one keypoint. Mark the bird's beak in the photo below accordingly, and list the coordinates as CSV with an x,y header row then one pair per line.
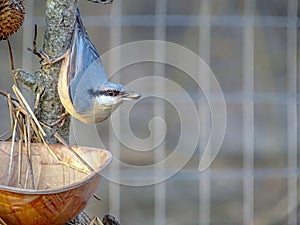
x,y
130,95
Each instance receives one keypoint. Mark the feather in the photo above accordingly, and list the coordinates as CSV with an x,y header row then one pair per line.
x,y
83,82
81,71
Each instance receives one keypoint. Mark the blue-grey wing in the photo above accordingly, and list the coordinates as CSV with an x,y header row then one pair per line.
x,y
86,71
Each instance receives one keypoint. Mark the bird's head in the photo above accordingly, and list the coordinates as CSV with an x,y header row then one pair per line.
x,y
111,94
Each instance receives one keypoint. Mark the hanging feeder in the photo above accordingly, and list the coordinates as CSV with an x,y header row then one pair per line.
x,y
62,187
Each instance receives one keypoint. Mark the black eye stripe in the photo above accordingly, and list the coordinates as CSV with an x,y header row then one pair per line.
x,y
108,92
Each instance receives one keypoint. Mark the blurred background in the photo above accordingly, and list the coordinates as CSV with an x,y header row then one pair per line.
x,y
252,47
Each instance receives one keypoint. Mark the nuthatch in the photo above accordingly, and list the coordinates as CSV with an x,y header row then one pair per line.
x,y
83,87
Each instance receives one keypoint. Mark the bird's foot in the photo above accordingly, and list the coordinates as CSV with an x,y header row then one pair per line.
x,y
61,119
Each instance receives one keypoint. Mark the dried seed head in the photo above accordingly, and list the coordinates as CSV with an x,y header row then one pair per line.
x,y
11,17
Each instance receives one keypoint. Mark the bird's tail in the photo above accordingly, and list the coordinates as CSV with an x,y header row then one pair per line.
x,y
81,31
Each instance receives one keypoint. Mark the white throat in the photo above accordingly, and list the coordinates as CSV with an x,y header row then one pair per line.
x,y
108,100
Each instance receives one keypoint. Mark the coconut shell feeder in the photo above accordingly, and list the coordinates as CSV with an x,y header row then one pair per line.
x,y
61,191
43,183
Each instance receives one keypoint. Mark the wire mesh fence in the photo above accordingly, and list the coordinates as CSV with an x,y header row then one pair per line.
x,y
252,48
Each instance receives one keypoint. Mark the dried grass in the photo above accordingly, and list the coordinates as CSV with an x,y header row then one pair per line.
x,y
26,129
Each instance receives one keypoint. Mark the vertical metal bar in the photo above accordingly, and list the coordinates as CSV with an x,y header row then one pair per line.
x,y
27,57
292,110
159,111
204,51
248,114
115,40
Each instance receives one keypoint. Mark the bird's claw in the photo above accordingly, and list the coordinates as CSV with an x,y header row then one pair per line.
x,y
46,60
61,119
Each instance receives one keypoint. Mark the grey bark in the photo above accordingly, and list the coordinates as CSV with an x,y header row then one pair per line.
x,y
60,18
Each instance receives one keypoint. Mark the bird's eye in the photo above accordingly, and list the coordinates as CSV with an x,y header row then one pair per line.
x,y
112,92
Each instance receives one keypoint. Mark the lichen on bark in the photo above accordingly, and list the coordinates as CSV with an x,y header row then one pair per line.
x,y
60,19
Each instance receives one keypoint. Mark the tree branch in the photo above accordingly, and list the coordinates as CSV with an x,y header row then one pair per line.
x,y
60,18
